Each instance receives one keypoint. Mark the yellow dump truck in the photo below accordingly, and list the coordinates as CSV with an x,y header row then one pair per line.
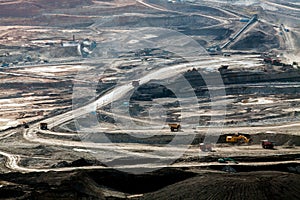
x,y
238,139
174,127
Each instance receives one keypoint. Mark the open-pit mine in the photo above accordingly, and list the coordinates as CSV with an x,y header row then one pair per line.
x,y
144,99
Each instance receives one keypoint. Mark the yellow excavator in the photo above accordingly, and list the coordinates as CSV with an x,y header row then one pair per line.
x,y
238,139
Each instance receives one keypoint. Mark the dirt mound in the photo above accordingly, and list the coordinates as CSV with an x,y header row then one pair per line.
x,y
258,185
73,185
257,40
140,183
86,185
167,183
11,191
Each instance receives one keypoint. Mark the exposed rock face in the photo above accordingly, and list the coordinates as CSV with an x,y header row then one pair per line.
x,y
242,76
232,79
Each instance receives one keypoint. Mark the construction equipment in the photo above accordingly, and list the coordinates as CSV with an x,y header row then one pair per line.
x,y
25,125
266,144
43,126
273,61
174,127
135,83
205,147
238,139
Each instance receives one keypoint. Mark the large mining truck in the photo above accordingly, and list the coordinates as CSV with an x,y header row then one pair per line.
x,y
266,144
43,126
205,147
174,127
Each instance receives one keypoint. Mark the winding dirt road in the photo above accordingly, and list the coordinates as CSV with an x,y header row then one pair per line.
x,y
31,134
